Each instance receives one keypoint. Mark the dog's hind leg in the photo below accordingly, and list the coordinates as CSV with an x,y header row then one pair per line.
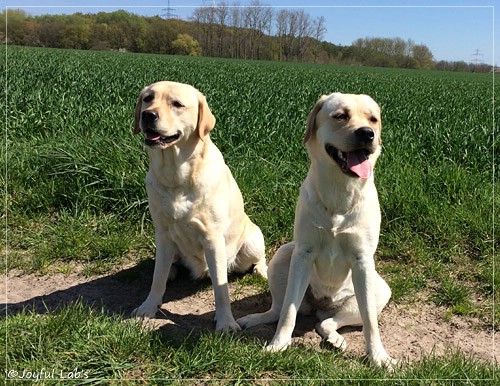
x,y
278,277
252,252
347,315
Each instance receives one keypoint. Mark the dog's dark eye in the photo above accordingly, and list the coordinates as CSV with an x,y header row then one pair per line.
x,y
148,98
340,116
177,104
373,120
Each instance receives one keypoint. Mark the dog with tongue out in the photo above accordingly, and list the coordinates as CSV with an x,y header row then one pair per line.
x,y
329,267
353,140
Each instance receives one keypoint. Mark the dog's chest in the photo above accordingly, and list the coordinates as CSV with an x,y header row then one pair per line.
x,y
331,222
173,204
330,254
173,212
178,206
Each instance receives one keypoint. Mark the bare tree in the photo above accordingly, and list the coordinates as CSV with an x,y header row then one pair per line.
x,y
264,25
257,20
319,29
221,13
244,32
287,30
281,21
235,21
304,32
295,31
204,18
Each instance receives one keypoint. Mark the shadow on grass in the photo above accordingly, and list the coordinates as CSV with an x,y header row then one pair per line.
x,y
187,304
117,293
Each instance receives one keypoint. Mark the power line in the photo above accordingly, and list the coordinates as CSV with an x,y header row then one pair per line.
x,y
169,12
476,57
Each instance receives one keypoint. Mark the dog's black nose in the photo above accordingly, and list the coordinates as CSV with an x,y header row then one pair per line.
x,y
149,118
365,134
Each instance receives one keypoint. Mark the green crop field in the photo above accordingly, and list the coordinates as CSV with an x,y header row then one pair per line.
x,y
74,186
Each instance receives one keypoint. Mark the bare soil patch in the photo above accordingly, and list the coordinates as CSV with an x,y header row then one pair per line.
x,y
408,330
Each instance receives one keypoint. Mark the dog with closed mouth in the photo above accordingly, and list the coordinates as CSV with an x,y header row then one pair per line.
x,y
329,267
194,201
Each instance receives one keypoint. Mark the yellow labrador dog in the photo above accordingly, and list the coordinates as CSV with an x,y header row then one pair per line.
x,y
329,267
195,203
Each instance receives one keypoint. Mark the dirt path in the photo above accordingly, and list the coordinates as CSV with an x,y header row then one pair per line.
x,y
408,330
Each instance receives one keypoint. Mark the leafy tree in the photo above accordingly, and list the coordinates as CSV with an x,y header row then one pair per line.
x,y
76,32
159,37
186,45
248,32
20,27
122,30
423,56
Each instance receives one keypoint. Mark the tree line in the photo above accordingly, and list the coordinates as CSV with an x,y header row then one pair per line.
x,y
255,32
258,32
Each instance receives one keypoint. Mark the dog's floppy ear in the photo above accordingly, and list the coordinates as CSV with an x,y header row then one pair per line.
x,y
380,125
311,118
206,120
137,128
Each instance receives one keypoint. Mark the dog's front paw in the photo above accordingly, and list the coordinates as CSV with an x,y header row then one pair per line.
x,y
228,326
146,310
382,359
276,346
224,321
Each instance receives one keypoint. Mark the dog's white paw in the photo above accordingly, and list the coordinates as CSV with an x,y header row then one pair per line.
x,y
336,341
328,331
146,310
249,321
224,321
260,318
384,360
276,346
244,322
227,326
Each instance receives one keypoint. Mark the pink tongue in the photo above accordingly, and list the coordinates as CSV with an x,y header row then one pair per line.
x,y
152,136
358,163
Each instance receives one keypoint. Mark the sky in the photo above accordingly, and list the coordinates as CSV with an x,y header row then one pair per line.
x,y
454,30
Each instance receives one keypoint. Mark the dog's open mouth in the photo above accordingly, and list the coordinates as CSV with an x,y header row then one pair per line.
x,y
154,139
353,163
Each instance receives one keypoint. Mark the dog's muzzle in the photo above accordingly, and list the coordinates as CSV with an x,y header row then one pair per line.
x,y
355,163
149,120
365,135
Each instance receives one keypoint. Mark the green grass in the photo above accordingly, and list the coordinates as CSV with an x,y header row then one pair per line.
x,y
110,349
98,242
75,174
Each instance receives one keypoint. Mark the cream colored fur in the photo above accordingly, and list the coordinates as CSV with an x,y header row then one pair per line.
x,y
329,267
195,203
